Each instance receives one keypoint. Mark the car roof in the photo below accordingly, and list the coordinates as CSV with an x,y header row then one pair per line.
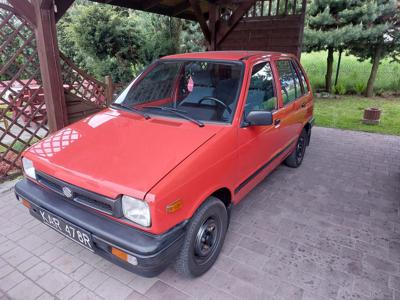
x,y
226,55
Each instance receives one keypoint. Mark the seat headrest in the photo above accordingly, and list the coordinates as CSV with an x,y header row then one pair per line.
x,y
202,78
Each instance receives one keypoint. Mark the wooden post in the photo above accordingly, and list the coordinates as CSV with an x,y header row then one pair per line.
x,y
109,90
200,18
301,29
212,24
49,58
62,7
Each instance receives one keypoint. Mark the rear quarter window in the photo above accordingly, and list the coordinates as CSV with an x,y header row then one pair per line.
x,y
290,82
302,78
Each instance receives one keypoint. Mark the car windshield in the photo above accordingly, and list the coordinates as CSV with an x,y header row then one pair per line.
x,y
200,91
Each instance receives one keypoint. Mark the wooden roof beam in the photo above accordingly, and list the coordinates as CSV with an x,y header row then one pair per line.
x,y
228,2
25,9
237,15
150,4
180,8
62,7
201,19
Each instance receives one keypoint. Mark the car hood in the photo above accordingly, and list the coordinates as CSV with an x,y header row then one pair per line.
x,y
116,152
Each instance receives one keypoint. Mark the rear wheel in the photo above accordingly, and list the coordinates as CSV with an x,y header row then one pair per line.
x,y
204,239
295,159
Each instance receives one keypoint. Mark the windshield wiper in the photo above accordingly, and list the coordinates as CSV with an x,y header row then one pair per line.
x,y
138,111
177,112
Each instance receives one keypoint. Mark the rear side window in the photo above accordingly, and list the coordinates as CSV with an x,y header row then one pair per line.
x,y
303,79
290,82
261,95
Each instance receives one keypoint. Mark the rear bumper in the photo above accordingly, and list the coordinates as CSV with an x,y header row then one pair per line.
x,y
312,121
153,252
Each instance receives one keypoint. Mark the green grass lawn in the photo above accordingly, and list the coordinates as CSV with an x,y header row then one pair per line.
x,y
352,72
347,113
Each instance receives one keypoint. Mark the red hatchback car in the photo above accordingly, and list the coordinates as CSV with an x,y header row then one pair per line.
x,y
152,179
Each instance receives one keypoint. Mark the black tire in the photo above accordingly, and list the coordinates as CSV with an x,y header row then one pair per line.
x,y
295,159
202,244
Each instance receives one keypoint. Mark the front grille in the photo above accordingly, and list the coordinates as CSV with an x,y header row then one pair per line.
x,y
81,196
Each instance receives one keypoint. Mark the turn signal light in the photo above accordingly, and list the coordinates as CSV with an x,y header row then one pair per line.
x,y
26,203
124,256
174,206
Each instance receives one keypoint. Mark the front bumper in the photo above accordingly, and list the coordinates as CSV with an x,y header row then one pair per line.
x,y
153,252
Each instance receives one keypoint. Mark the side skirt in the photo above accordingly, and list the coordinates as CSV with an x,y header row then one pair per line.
x,y
259,170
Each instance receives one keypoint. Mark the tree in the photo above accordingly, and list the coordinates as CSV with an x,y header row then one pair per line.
x,y
380,37
160,35
192,38
335,25
105,40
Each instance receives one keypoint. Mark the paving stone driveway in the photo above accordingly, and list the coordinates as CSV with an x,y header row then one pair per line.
x,y
328,230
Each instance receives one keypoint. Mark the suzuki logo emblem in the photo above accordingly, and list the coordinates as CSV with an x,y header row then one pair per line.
x,y
67,192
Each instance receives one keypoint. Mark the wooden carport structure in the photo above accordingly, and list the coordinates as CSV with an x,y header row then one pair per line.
x,y
69,93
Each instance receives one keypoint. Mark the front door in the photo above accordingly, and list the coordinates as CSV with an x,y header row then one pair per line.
x,y
257,144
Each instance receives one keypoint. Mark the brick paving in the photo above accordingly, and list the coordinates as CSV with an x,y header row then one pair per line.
x,y
328,230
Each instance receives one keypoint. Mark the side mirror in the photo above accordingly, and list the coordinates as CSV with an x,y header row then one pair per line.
x,y
259,118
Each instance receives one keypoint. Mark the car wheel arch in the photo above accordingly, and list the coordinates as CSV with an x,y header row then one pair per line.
x,y
224,194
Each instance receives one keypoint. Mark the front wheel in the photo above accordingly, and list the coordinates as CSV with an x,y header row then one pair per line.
x,y
295,159
204,239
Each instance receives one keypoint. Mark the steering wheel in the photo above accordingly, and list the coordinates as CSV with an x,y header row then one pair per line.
x,y
217,101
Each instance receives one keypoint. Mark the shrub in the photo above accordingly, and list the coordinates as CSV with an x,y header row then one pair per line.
x,y
395,84
339,89
359,87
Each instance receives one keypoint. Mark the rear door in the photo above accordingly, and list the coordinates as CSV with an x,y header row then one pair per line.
x,y
291,99
304,105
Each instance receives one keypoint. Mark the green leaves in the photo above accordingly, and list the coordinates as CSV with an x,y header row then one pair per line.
x,y
337,23
109,40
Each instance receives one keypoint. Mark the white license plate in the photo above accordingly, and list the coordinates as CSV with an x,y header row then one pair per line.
x,y
67,229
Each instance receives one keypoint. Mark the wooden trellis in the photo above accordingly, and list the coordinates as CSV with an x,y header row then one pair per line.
x,y
81,84
23,115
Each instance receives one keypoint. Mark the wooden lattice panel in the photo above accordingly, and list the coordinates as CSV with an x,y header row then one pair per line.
x,y
82,85
23,115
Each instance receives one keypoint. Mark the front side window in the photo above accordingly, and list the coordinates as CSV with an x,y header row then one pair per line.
x,y
203,90
290,83
261,94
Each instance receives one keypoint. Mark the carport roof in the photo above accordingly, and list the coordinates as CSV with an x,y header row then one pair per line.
x,y
174,8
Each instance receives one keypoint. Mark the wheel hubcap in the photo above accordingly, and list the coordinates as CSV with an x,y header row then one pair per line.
x,y
206,238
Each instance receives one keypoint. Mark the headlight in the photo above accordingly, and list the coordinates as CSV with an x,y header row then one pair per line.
x,y
136,210
29,169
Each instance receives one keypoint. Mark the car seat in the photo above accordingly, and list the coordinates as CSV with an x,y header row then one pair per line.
x,y
202,87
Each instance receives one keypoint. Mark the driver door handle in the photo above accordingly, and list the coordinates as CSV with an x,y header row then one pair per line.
x,y
303,104
277,122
